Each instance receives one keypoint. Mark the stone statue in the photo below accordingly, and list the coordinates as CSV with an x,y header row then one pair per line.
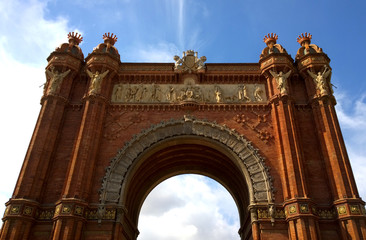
x,y
96,80
189,93
198,94
258,93
118,93
281,80
218,94
128,95
201,62
134,91
320,81
243,93
56,79
155,93
171,95
140,95
178,62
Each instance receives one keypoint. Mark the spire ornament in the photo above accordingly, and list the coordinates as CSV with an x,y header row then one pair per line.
x,y
109,38
272,47
270,38
108,45
74,38
72,47
304,39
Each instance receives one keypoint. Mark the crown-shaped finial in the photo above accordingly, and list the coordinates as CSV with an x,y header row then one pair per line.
x,y
304,37
190,52
111,38
76,38
270,37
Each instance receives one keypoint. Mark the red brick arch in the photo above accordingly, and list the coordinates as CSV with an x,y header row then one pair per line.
x,y
186,146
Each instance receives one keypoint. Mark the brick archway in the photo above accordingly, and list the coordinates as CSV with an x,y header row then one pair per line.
x,y
185,146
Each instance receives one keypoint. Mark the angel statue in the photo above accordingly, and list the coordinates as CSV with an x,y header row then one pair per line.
x,y
96,80
56,79
281,79
321,80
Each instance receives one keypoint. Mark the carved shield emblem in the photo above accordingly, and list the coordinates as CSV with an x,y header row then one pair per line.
x,y
189,61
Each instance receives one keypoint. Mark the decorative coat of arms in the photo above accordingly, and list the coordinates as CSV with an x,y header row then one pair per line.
x,y
189,62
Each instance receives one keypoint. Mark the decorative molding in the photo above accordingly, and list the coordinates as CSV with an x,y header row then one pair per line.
x,y
48,214
257,123
117,122
163,107
263,213
232,67
342,210
45,214
92,214
304,208
147,67
326,214
76,106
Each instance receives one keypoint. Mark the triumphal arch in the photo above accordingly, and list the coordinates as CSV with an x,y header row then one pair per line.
x,y
109,131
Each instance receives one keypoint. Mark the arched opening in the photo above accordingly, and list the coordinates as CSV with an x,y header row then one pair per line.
x,y
182,155
185,147
189,207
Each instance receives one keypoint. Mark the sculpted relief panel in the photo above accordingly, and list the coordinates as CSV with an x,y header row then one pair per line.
x,y
189,92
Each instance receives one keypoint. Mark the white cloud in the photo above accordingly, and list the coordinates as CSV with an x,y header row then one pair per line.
x,y
352,117
352,113
205,211
26,34
26,40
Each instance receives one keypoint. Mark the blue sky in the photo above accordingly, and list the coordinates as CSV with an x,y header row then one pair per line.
x,y
155,31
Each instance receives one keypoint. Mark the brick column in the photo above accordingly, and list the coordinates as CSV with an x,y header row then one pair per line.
x,y
276,68
61,70
285,124
101,67
338,169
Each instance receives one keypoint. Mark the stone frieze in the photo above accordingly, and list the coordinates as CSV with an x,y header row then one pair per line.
x,y
200,93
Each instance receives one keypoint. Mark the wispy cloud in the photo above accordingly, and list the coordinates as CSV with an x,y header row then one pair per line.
x,y
184,15
159,52
181,23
